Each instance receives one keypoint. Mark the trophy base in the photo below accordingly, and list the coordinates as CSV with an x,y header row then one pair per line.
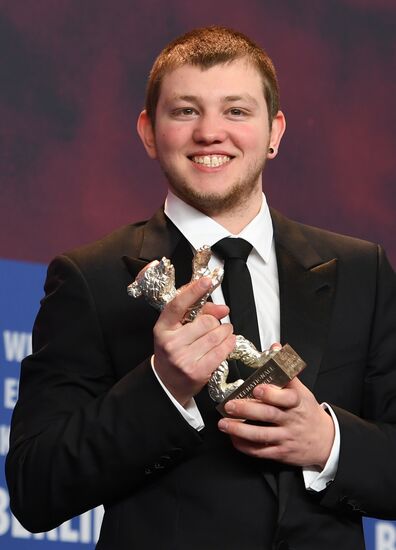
x,y
282,367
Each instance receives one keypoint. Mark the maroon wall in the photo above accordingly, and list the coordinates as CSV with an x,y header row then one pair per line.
x,y
72,78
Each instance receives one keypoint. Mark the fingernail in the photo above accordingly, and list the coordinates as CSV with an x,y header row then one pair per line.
x,y
276,347
230,407
205,283
259,392
223,425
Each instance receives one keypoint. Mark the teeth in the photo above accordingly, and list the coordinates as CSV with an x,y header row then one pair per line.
x,y
211,160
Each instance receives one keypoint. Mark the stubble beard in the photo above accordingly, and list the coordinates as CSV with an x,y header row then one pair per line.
x,y
215,204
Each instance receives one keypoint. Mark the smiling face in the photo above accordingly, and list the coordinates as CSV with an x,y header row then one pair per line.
x,y
212,136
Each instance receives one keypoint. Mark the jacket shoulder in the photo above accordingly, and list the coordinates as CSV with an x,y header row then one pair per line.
x,y
327,244
124,241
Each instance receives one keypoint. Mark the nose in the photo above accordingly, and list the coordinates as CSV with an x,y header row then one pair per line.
x,y
209,129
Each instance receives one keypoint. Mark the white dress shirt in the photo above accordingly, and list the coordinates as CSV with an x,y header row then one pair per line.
x,y
200,230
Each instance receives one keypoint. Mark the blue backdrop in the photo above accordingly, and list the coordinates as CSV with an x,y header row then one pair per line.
x,y
21,285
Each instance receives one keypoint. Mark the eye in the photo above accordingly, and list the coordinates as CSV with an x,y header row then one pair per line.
x,y
235,111
184,112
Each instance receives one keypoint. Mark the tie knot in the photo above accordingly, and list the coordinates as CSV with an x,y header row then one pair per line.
x,y
232,248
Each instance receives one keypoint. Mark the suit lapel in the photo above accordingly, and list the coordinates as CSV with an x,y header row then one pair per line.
x,y
307,285
161,238
305,304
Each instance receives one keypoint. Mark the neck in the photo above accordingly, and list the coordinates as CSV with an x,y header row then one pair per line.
x,y
236,219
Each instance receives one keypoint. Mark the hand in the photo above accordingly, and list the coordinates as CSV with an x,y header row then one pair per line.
x,y
185,356
301,432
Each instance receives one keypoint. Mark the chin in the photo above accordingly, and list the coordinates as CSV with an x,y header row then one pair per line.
x,y
212,203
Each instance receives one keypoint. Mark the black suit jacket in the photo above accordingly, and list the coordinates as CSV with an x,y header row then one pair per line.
x,y
93,426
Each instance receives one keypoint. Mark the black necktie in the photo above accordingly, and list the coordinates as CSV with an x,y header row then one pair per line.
x,y
237,289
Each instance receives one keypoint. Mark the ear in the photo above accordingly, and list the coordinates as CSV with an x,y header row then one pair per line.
x,y
277,130
146,133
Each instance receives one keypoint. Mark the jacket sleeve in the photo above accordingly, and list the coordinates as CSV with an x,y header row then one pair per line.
x,y
79,436
366,478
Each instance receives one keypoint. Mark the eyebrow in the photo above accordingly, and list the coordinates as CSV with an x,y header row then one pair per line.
x,y
242,97
225,99
188,98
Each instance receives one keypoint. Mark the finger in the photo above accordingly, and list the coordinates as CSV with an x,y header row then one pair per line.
x,y
175,310
205,355
296,384
251,409
217,310
176,343
285,398
186,335
202,340
201,356
268,451
213,353
276,346
251,434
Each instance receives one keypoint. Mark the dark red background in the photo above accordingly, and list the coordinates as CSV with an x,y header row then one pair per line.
x,y
72,79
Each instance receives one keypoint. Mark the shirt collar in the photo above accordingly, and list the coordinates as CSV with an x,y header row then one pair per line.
x,y
200,229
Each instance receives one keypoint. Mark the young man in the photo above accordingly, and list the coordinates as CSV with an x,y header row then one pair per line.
x,y
113,406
